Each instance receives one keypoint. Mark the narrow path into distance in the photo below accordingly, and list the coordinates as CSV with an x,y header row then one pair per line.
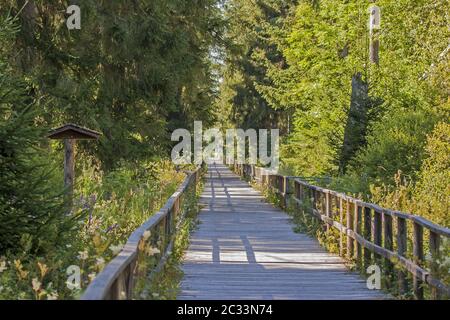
x,y
245,248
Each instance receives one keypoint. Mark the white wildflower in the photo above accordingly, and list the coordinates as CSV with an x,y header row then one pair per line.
x,y
36,284
83,255
52,296
100,261
92,276
3,266
116,249
146,235
152,251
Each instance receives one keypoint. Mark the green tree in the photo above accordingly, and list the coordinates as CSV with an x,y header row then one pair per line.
x,y
135,70
249,49
31,210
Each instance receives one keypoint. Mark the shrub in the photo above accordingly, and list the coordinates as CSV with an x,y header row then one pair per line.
x,y
30,204
396,143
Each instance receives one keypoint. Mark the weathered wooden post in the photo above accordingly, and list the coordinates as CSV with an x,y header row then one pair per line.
x,y
374,26
70,133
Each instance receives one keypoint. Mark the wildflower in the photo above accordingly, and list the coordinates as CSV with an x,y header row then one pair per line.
x,y
116,249
92,276
52,296
36,284
100,262
22,273
3,266
83,255
151,251
43,269
146,235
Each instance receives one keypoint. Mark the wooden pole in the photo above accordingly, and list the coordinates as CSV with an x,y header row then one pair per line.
x,y
402,234
69,169
374,25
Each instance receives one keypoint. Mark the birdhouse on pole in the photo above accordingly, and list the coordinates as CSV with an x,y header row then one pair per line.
x,y
69,133
374,26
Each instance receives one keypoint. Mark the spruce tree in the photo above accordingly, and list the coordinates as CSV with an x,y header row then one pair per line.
x,y
30,206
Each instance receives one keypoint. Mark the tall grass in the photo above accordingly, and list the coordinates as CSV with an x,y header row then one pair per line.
x,y
110,206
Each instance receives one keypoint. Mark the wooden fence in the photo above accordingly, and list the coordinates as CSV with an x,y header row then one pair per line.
x,y
117,281
368,234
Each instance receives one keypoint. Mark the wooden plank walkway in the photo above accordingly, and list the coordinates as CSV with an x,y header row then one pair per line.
x,y
245,248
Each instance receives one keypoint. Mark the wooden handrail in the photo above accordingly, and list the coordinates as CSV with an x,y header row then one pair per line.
x,y
367,230
117,280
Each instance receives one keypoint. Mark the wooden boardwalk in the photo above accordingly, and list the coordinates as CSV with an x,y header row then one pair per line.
x,y
245,248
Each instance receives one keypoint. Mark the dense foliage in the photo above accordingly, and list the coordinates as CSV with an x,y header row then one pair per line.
x,y
135,71
298,60
28,207
115,205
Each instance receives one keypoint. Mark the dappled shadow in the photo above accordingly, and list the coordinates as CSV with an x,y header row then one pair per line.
x,y
245,248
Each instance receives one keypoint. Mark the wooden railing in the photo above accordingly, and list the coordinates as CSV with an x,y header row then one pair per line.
x,y
368,234
118,279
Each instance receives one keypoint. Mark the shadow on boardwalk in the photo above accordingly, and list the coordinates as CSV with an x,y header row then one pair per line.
x,y
245,248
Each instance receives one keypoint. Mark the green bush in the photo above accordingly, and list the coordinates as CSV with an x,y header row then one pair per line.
x,y
395,143
429,196
433,189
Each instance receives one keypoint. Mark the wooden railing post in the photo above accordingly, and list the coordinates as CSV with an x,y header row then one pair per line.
x,y
388,244
313,199
129,283
341,221
357,230
118,291
350,241
377,229
301,193
367,236
328,208
401,250
298,193
435,242
418,259
287,191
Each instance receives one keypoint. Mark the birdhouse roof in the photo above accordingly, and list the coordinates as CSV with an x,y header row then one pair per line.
x,y
73,131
